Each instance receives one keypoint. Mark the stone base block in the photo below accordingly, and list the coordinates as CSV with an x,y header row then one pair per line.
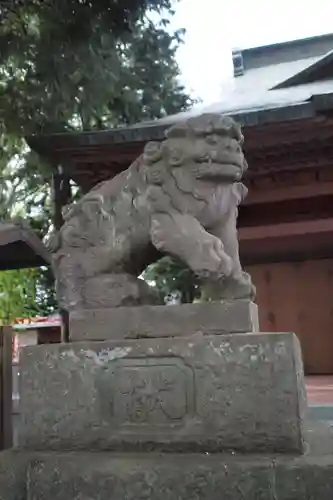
x,y
201,393
182,478
13,475
238,316
150,476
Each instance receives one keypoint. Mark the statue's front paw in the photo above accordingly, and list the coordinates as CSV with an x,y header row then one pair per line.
x,y
228,288
210,261
220,270
240,287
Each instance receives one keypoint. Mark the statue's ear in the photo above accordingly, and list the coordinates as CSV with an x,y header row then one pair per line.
x,y
152,152
156,173
153,158
240,191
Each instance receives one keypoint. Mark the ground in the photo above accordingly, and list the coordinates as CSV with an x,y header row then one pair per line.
x,y
320,397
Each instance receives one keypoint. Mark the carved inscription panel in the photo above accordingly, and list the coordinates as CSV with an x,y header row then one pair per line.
x,y
145,392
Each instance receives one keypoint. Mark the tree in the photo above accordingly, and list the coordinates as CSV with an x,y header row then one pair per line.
x,y
18,292
169,275
66,66
23,292
78,65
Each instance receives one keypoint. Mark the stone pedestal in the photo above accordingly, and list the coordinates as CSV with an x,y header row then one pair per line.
x,y
206,384
214,318
202,393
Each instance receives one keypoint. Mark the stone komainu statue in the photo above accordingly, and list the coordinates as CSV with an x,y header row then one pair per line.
x,y
180,198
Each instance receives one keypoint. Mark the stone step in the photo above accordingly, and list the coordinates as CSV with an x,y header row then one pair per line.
x,y
153,476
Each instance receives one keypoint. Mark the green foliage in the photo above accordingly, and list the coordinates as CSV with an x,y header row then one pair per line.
x,y
75,19
24,292
77,65
65,66
168,275
18,291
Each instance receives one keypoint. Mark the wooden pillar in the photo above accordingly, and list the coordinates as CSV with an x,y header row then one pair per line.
x,y
62,195
6,388
56,198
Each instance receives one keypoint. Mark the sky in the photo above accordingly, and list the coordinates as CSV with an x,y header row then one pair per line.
x,y
216,27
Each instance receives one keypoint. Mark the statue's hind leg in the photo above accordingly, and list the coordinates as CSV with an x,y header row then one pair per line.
x,y
70,277
83,282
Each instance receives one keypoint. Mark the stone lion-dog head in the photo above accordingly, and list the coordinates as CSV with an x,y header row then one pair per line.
x,y
208,147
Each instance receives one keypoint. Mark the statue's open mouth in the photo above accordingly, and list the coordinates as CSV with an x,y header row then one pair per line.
x,y
221,170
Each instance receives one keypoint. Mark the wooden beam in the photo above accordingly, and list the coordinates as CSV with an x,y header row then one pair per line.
x,y
286,242
310,228
285,193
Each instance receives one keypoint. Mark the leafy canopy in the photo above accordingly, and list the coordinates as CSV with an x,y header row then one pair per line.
x,y
72,64
18,292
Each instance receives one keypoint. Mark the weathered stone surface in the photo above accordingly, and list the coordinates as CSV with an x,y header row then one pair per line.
x,y
116,290
144,477
179,198
309,479
238,316
82,475
13,475
240,392
102,476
